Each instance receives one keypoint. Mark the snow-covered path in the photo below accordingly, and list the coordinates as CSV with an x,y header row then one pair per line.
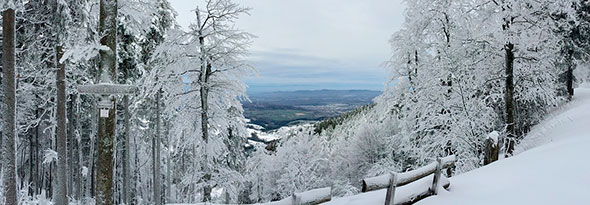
x,y
555,172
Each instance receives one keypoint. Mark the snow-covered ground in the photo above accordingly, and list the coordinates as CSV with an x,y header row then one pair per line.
x,y
286,131
551,167
555,172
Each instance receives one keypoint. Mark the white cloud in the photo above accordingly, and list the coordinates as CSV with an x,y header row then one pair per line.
x,y
328,35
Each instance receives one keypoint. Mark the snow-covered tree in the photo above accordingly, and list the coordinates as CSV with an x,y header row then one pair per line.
x,y
462,69
200,73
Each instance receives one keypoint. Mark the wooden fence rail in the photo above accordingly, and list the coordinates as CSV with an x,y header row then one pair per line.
x,y
311,197
389,181
393,180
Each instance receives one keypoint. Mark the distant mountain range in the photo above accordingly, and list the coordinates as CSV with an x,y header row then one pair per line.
x,y
315,97
273,110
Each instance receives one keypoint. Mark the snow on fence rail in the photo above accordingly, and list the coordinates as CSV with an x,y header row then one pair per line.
x,y
393,180
311,197
417,191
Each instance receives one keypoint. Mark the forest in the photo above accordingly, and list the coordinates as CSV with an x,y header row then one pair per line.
x,y
111,102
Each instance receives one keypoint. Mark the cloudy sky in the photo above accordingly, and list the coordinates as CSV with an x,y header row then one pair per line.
x,y
315,44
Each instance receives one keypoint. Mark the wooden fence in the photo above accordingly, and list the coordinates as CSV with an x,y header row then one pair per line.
x,y
390,181
394,180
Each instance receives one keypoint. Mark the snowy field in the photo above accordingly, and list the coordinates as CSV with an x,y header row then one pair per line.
x,y
555,172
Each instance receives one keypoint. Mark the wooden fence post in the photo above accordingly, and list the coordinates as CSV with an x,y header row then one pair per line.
x,y
389,198
295,202
435,181
492,150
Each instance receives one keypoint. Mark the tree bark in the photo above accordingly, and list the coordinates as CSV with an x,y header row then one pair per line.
x,y
168,166
137,171
106,125
33,154
204,92
70,146
9,124
75,154
61,191
126,169
156,154
79,159
90,158
126,148
570,74
38,169
509,98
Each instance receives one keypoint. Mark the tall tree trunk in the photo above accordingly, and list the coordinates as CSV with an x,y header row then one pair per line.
x,y
9,124
79,153
32,158
168,166
70,146
570,74
74,191
137,171
60,196
509,98
205,133
156,154
126,148
106,125
1,102
204,92
90,158
38,169
61,190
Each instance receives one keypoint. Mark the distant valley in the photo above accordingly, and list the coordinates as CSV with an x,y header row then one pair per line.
x,y
273,110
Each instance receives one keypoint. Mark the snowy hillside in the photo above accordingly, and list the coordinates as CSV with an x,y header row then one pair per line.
x,y
552,173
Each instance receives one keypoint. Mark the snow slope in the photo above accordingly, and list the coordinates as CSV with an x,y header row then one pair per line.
x,y
556,172
551,167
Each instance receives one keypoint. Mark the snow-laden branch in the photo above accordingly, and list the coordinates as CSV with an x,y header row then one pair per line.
x,y
83,52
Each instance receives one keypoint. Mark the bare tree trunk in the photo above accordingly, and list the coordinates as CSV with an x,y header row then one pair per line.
x,y
70,146
9,126
509,98
61,191
74,151
1,102
137,173
168,166
205,133
106,125
204,92
156,154
78,141
90,188
570,74
38,174
126,169
60,195
32,158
